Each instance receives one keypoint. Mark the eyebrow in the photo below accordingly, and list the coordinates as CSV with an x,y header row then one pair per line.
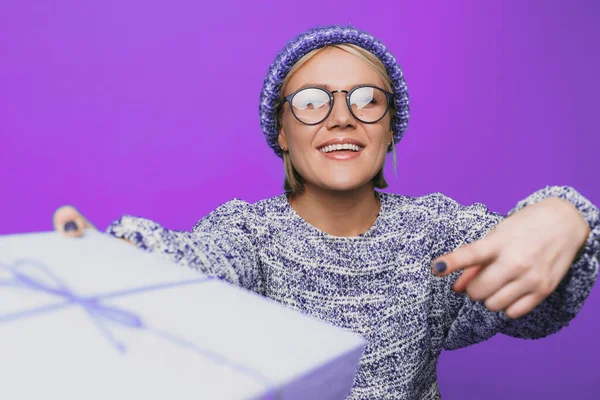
x,y
321,85
329,87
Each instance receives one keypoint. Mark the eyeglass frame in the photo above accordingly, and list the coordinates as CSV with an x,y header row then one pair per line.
x,y
288,99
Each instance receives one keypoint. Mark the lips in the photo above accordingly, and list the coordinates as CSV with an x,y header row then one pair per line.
x,y
340,147
341,154
341,141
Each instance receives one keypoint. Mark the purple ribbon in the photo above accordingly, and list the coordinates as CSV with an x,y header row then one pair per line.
x,y
43,280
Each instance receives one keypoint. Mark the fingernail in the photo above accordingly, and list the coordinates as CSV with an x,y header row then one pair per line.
x,y
70,226
440,266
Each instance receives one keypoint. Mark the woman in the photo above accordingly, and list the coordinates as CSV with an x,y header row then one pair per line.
x,y
333,104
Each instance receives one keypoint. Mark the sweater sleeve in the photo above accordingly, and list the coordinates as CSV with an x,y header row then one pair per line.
x,y
221,245
466,322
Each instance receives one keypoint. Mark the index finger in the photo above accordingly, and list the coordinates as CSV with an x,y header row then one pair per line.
x,y
479,253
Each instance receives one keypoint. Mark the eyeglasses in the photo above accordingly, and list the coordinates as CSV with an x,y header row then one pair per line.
x,y
312,105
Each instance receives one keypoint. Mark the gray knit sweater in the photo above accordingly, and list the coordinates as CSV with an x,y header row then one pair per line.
x,y
377,284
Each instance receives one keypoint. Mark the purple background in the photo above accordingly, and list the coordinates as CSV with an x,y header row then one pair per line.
x,y
151,108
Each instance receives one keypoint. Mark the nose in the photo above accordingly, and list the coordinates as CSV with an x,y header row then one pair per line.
x,y
340,116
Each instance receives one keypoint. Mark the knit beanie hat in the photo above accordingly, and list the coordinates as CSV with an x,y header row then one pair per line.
x,y
314,39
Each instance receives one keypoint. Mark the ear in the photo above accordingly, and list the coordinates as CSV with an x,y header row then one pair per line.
x,y
281,139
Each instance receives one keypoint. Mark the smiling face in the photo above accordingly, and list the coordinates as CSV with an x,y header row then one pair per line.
x,y
346,169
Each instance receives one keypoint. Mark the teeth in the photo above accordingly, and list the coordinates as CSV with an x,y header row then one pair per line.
x,y
344,146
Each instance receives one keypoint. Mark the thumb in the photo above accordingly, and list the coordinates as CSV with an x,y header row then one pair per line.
x,y
69,222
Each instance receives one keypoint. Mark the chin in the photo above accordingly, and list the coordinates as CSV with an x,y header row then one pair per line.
x,y
343,185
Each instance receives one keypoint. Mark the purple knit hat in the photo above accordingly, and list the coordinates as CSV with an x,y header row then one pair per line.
x,y
311,40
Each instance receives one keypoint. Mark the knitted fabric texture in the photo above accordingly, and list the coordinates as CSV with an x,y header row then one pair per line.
x,y
317,38
378,284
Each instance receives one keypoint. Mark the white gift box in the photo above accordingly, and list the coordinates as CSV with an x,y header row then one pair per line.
x,y
94,317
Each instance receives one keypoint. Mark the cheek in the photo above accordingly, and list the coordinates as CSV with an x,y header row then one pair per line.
x,y
300,147
299,136
301,151
378,140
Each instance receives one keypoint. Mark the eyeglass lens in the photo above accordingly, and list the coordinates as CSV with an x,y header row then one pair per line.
x,y
311,105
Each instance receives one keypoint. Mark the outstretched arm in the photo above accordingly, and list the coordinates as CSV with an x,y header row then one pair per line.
x,y
526,263
221,244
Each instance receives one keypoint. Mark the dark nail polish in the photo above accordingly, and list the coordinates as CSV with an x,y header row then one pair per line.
x,y
70,226
440,266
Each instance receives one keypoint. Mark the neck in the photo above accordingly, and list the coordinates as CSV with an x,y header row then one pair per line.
x,y
339,213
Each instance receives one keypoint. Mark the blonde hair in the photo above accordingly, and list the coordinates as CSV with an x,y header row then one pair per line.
x,y
294,184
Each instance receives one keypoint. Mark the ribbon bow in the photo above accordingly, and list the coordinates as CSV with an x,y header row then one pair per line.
x,y
31,275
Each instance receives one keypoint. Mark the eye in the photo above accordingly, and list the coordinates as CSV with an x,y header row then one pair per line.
x,y
364,97
310,99
363,102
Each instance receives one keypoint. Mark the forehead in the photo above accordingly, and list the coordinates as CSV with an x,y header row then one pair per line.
x,y
334,68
